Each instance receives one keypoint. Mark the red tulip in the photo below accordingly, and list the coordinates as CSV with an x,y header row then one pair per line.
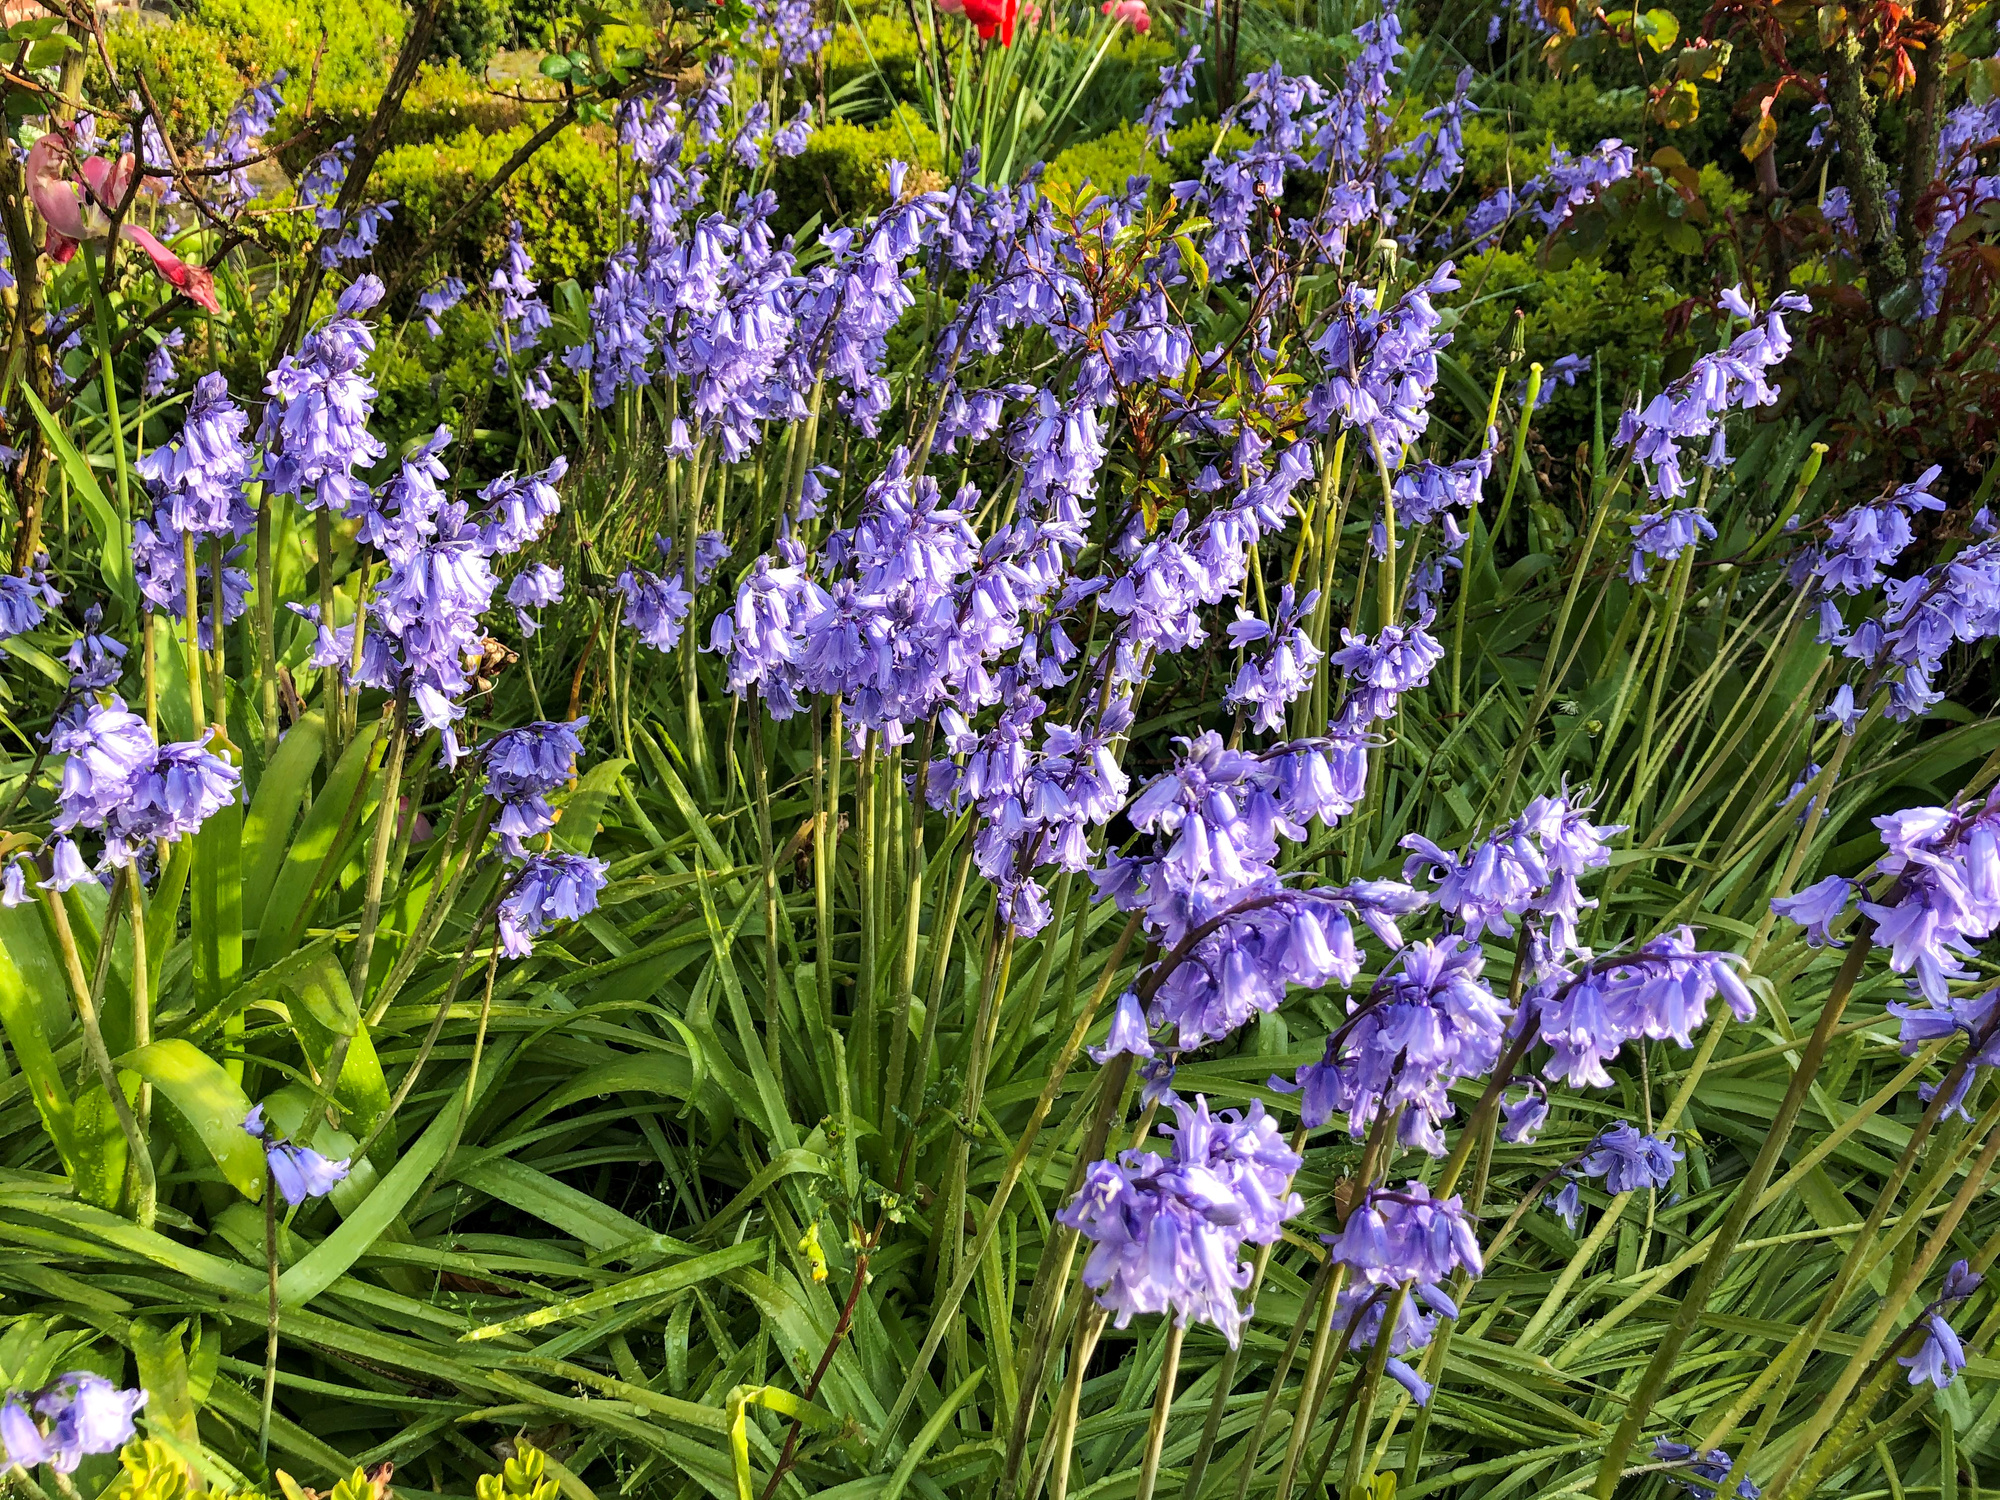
x,y
991,16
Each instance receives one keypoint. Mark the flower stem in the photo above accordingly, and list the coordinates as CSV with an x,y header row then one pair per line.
x,y
1163,1402
146,1198
1695,1302
270,1311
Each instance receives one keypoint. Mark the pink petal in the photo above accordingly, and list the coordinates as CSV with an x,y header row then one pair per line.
x,y
197,283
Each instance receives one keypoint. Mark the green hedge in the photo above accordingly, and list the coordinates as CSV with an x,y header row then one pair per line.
x,y
567,199
844,169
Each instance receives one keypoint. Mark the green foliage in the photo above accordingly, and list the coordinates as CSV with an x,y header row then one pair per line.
x,y
150,1470
844,170
471,31
884,41
196,72
344,40
567,199
1105,161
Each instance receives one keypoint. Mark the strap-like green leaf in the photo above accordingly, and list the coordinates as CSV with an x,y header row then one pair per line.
x,y
211,1101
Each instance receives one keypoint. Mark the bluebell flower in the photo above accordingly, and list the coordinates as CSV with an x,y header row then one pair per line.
x,y
550,888
523,766
1166,1231
1629,1160
299,1172
1939,1357
88,1415
534,587
435,301
26,598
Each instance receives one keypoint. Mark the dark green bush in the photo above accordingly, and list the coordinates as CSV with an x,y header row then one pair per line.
x,y
1106,161
444,103
471,31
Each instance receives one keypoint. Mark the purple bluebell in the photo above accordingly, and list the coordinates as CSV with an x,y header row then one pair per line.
x,y
96,661
1864,541
1946,892
524,317
1284,665
1939,1357
1566,1203
1176,92
1817,907
14,883
790,138
1380,670
21,1440
1700,1474
315,427
1521,1120
1629,1160
299,1171
106,749
1692,409
26,598
534,587
520,506
435,301
1427,1023
160,371
1661,992
523,766
1663,537
185,785
656,607
87,1415
1129,1032
550,888
1166,1230
197,479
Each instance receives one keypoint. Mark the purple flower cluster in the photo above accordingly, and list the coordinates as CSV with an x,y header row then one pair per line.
x,y
1268,682
1628,1161
1702,1474
86,1413
1693,407
1427,1023
1167,1230
1529,868
1660,992
1176,92
315,428
549,888
1940,1355
522,767
26,598
1405,1239
1382,365
119,781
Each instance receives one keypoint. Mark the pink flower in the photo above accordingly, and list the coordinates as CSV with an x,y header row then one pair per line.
x,y
1133,12
78,210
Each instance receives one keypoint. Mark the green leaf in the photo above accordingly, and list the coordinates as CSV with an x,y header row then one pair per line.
x,y
215,905
281,791
329,1260
114,532
211,1101
28,975
331,826
653,1284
